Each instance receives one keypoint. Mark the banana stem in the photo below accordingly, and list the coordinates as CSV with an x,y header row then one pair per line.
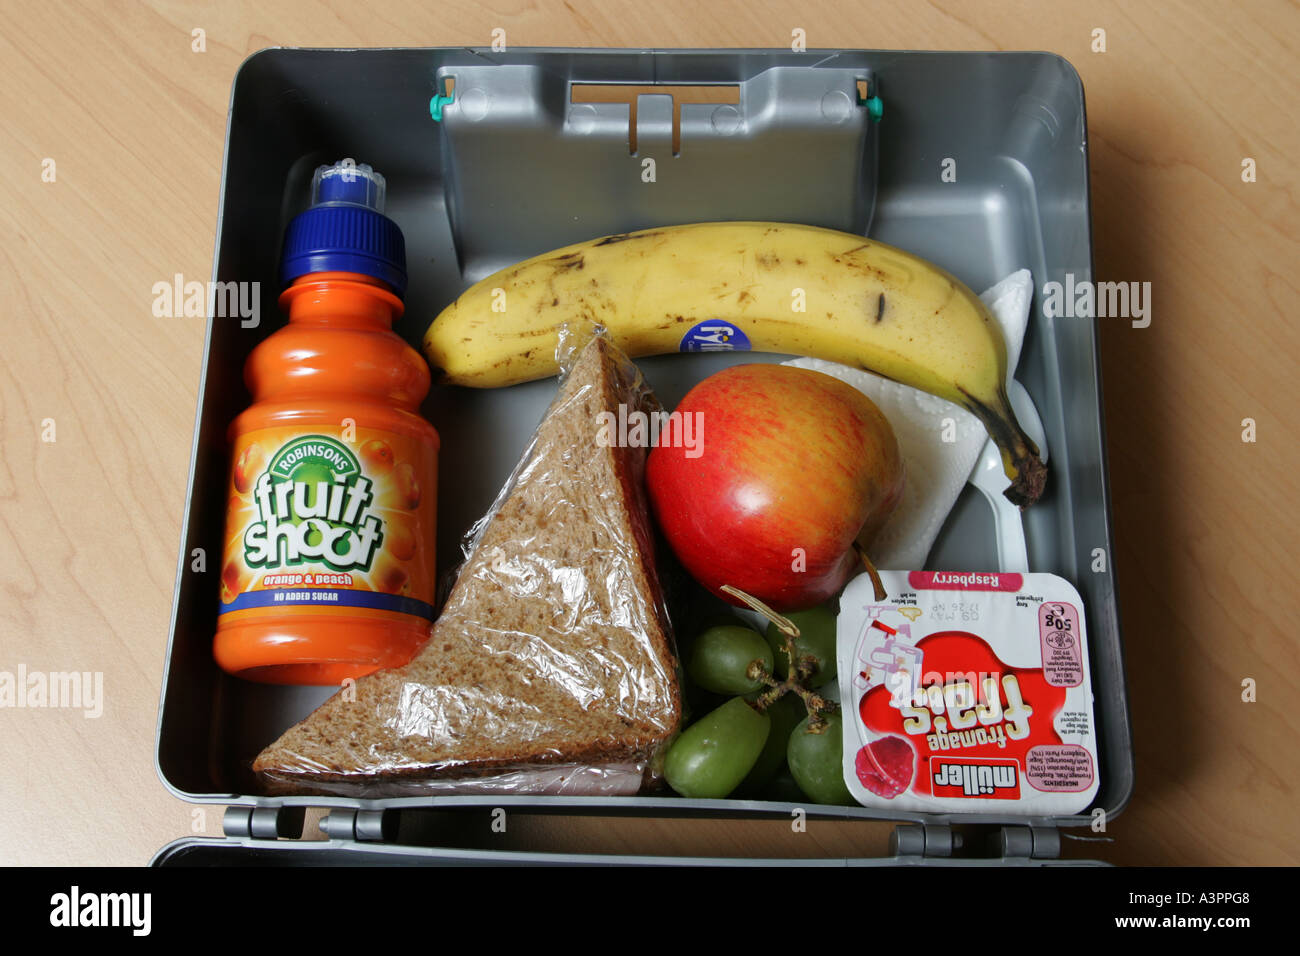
x,y
1020,458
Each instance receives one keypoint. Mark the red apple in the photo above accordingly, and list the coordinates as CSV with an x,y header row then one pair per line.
x,y
786,470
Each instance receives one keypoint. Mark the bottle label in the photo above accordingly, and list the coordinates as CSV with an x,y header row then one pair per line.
x,y
340,520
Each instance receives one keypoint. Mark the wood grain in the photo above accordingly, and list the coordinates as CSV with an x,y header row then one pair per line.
x,y
134,121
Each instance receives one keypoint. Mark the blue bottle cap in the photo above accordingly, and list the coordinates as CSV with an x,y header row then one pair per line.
x,y
345,230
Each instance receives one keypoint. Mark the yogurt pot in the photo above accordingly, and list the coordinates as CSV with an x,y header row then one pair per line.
x,y
967,692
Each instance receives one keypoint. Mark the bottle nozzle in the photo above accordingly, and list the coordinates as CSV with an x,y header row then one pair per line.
x,y
345,230
348,183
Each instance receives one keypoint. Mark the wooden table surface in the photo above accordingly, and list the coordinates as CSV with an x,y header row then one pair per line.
x,y
112,99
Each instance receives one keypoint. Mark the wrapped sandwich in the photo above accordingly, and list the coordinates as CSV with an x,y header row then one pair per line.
x,y
551,668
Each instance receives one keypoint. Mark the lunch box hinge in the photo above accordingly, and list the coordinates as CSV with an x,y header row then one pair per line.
x,y
264,823
1029,843
927,839
367,826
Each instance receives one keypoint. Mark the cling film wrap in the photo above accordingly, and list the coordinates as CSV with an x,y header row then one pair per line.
x,y
551,667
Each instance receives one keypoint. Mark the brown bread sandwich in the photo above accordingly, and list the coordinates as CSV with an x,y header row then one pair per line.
x,y
551,667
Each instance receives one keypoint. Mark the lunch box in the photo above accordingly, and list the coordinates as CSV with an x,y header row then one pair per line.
x,y
977,161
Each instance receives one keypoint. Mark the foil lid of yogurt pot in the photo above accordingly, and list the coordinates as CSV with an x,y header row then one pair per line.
x,y
967,692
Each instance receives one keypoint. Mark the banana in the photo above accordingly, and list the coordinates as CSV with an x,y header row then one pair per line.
x,y
787,288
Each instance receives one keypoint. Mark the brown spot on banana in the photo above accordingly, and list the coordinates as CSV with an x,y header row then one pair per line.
x,y
625,237
880,308
573,260
525,333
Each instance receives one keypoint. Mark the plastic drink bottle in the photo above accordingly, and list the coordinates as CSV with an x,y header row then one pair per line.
x,y
328,564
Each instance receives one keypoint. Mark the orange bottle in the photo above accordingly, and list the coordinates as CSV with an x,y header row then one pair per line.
x,y
328,565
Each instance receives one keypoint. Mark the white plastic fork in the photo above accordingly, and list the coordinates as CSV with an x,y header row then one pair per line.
x,y
988,477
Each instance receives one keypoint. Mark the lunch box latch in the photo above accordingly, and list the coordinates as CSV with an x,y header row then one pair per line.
x,y
534,158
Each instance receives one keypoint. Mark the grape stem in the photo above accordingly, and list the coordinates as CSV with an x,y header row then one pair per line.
x,y
799,674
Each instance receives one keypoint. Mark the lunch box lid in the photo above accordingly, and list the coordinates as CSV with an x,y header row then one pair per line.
x,y
271,837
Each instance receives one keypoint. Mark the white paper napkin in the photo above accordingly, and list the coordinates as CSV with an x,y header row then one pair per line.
x,y
935,470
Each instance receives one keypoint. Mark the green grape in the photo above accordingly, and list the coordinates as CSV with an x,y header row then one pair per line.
x,y
720,658
816,638
817,763
784,714
715,753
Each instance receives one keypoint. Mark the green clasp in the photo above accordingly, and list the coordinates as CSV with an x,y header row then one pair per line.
x,y
870,98
438,102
